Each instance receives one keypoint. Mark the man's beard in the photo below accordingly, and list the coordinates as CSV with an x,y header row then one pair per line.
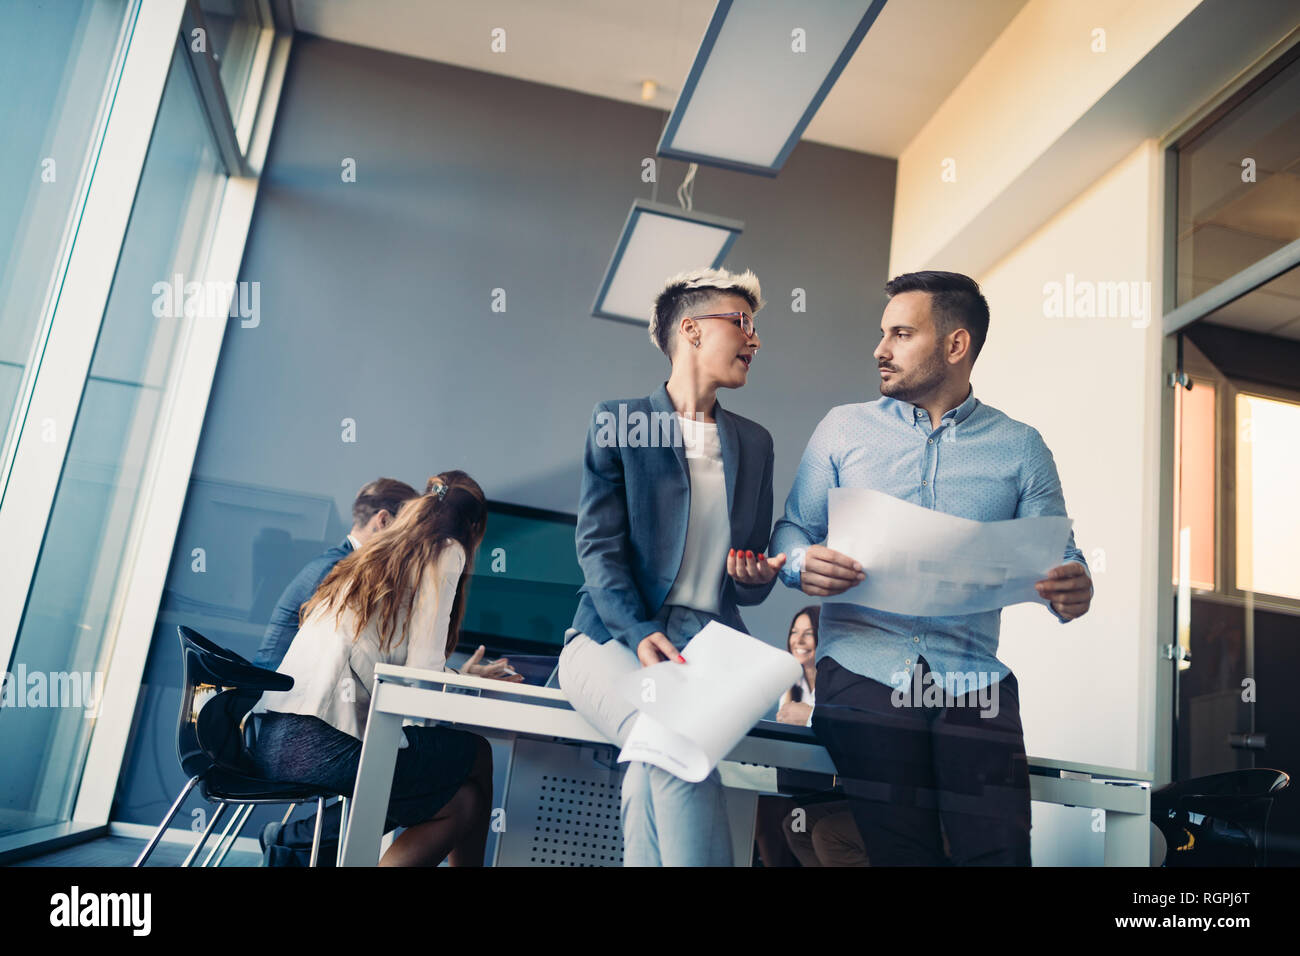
x,y
918,383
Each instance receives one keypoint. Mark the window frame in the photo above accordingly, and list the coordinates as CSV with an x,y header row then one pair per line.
x,y
36,465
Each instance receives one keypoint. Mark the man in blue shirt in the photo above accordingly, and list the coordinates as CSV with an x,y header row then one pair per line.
x,y
375,506
919,715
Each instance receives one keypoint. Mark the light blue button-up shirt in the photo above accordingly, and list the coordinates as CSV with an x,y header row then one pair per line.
x,y
978,463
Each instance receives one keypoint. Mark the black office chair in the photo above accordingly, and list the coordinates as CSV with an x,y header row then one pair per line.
x,y
1231,817
218,687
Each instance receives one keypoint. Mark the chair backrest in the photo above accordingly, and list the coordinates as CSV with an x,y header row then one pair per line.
x,y
209,673
1251,782
1220,819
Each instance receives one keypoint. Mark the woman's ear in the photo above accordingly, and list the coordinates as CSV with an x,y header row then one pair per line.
x,y
688,332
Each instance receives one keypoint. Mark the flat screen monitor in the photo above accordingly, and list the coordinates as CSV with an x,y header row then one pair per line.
x,y
524,589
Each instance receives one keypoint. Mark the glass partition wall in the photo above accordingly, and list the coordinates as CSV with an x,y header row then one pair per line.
x,y
124,238
1235,326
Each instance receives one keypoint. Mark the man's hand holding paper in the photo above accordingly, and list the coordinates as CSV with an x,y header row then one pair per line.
x,y
826,572
919,561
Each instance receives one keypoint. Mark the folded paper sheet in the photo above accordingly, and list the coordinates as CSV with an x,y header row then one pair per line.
x,y
692,714
924,562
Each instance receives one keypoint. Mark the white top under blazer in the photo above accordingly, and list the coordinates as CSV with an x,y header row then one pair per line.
x,y
708,527
334,674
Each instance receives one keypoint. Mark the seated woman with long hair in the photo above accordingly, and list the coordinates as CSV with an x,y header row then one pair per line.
x,y
399,600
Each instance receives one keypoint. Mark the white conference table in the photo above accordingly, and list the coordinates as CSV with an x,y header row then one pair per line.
x,y
511,711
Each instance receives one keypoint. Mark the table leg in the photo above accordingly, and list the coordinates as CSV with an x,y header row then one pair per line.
x,y
505,799
742,814
365,823
1128,839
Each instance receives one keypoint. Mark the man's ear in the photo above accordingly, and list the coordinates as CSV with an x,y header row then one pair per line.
x,y
383,518
960,346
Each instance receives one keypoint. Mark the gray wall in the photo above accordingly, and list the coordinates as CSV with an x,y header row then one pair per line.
x,y
376,306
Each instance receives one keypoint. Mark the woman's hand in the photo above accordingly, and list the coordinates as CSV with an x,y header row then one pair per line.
x,y
794,712
747,568
496,670
656,648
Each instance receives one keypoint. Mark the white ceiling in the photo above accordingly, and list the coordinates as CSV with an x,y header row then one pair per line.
x,y
910,60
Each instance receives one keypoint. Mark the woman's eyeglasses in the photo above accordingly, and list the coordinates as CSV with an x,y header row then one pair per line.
x,y
742,320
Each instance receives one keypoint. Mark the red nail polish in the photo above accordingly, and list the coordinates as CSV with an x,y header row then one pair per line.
x,y
749,554
761,557
731,552
680,659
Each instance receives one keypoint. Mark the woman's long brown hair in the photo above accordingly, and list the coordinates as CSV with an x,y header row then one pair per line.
x,y
382,578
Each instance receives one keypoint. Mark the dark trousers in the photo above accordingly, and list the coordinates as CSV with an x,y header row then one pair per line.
x,y
295,839
910,769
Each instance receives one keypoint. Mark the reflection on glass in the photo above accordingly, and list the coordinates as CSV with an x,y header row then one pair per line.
x,y
233,28
1194,468
1272,309
1239,187
56,61
68,626
1268,510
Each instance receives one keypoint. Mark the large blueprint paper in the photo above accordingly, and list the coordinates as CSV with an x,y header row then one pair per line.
x,y
927,563
693,714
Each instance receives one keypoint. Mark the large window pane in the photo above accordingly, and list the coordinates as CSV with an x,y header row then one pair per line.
x,y
1268,510
68,625
56,61
1239,187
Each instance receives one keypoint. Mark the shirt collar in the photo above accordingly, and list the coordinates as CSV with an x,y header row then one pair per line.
x,y
915,413
356,545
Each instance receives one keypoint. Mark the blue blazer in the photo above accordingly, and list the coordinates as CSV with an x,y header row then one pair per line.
x,y
635,505
284,619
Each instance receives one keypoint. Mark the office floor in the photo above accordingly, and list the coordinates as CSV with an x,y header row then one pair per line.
x,y
122,851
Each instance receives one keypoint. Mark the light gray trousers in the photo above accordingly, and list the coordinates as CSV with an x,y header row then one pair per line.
x,y
666,820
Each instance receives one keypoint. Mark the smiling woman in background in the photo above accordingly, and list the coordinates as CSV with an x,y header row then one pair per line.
x,y
797,703
795,707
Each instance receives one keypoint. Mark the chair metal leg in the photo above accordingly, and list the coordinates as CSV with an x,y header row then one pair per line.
x,y
315,839
216,816
239,821
221,841
238,830
288,813
343,828
162,827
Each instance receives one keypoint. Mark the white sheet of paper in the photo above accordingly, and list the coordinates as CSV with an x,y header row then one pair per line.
x,y
924,562
693,714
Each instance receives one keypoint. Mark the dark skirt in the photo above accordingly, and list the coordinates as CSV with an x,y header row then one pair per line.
x,y
295,748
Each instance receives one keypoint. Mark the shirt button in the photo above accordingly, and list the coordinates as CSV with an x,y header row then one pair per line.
x,y
908,661
915,639
930,441
924,482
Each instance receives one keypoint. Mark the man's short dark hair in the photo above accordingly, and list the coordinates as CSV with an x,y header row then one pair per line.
x,y
955,302
382,494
